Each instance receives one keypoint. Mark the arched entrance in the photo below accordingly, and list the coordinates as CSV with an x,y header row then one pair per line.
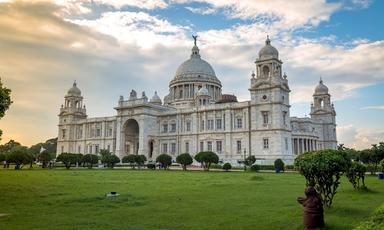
x,y
131,132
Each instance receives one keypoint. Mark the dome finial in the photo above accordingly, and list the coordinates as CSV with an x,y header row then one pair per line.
x,y
321,80
267,42
74,83
195,39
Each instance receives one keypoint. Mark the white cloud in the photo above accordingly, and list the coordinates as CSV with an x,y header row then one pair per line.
x,y
375,107
137,28
359,138
203,11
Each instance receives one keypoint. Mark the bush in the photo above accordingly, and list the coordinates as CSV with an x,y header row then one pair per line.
x,y
323,169
356,174
216,166
255,168
140,160
151,166
68,159
45,157
2,157
110,159
131,159
184,159
375,222
165,160
382,165
249,161
206,159
90,160
227,166
279,165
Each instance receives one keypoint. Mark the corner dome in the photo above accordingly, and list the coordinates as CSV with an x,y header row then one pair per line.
x,y
321,88
74,91
268,51
155,99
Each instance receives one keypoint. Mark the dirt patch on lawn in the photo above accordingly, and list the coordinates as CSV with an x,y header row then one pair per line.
x,y
3,214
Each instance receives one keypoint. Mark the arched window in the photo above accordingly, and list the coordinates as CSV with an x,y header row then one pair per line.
x,y
266,71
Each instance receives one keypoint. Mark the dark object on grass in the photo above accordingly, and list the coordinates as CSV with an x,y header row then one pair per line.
x,y
313,216
381,176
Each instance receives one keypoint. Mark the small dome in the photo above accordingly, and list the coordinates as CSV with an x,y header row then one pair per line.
x,y
202,92
268,51
321,88
155,99
74,91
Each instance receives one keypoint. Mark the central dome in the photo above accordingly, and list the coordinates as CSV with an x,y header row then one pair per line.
x,y
195,67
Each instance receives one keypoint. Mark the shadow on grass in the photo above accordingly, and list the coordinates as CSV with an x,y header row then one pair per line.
x,y
257,178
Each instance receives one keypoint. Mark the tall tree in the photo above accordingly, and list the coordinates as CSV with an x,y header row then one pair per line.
x,y
5,101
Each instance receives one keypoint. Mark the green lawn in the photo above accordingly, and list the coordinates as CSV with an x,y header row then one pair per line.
x,y
75,199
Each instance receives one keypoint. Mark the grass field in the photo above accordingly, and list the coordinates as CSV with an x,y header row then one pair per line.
x,y
75,199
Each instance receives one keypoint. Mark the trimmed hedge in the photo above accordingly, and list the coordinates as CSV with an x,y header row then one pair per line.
x,y
375,222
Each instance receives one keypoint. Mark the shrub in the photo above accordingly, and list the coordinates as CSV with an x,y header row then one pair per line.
x,y
323,170
184,159
68,159
227,166
151,166
131,159
2,157
255,168
78,158
110,159
382,165
45,157
375,222
216,166
279,165
249,161
206,159
356,173
165,160
140,160
90,160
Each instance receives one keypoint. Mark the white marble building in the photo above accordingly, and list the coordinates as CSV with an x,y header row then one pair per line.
x,y
196,116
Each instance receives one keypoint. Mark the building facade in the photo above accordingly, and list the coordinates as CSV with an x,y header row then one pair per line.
x,y
196,116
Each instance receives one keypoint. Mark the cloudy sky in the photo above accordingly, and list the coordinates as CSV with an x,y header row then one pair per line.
x,y
112,46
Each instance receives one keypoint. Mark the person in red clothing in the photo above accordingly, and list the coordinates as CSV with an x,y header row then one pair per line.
x,y
313,216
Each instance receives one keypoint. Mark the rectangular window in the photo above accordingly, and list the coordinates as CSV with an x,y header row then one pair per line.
x,y
173,127
165,148
219,146
187,147
265,143
265,117
90,149
96,149
62,149
209,145
109,132
188,126
128,149
63,133
239,123
165,128
238,147
108,148
210,125
98,132
202,125
79,149
284,118
173,148
201,146
218,124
